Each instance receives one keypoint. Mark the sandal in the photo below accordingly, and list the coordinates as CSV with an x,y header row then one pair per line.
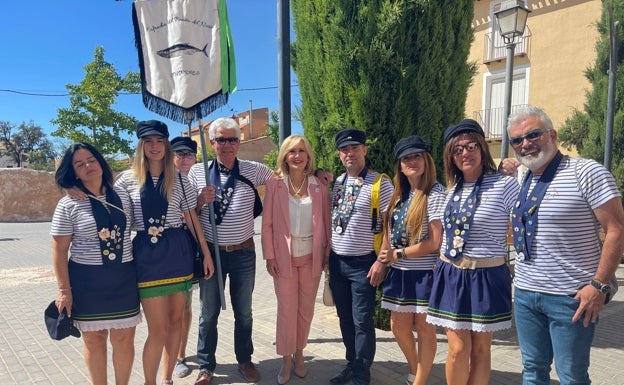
x,y
166,382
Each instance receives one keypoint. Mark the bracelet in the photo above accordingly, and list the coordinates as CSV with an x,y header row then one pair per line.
x,y
63,290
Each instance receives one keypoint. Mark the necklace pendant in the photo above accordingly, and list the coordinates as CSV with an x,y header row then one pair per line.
x,y
297,196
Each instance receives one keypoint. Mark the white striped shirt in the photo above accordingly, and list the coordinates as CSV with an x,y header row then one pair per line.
x,y
435,203
566,248
177,203
488,233
357,239
74,217
238,221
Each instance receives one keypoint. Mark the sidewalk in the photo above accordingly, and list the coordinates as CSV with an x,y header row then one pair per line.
x,y
29,356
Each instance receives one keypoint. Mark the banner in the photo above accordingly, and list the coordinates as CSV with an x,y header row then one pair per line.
x,y
186,56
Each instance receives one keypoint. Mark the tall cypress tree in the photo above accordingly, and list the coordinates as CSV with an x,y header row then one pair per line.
x,y
392,68
585,129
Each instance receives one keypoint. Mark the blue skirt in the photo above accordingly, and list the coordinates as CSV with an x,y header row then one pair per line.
x,y
164,267
407,291
104,296
478,300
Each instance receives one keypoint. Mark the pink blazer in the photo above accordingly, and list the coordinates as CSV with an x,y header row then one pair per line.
x,y
276,225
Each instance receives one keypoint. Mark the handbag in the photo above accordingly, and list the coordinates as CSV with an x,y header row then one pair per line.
x,y
198,260
328,297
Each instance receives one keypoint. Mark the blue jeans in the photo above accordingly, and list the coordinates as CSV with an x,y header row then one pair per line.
x,y
355,304
240,266
545,330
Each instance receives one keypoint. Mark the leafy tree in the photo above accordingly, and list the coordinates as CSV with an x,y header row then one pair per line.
x,y
585,129
27,140
90,117
391,68
270,159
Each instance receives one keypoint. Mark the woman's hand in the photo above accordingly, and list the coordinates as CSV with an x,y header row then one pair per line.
x,y
64,300
271,265
76,193
209,268
387,256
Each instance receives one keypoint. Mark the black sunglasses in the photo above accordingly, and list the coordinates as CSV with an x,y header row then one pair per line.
x,y
530,136
222,140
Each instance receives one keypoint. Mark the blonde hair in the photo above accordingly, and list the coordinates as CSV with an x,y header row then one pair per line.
x,y
140,168
288,144
417,211
453,173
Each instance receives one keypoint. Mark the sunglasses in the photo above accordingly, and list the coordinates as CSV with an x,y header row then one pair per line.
x,y
223,140
530,136
470,147
185,155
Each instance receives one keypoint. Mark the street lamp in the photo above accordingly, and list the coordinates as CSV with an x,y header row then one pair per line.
x,y
511,16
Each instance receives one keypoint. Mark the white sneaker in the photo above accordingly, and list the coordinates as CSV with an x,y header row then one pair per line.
x,y
180,369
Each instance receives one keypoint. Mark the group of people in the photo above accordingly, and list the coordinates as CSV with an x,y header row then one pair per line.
x,y
442,261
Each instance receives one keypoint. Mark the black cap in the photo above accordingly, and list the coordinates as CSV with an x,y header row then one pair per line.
x,y
59,325
349,137
184,143
152,127
411,145
466,125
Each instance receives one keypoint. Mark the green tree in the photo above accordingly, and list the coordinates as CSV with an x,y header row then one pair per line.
x,y
270,159
27,141
585,130
90,117
391,68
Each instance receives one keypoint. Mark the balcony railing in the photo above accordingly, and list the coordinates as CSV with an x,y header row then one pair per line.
x,y
496,49
493,121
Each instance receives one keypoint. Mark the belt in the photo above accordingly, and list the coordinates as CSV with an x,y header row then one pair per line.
x,y
468,263
229,248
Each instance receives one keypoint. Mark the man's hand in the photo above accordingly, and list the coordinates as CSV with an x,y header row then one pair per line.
x,y
206,196
509,166
591,302
377,273
387,256
325,177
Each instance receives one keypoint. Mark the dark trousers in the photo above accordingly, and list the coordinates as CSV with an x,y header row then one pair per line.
x,y
355,304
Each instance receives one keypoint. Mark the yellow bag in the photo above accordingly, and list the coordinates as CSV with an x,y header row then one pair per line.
x,y
375,215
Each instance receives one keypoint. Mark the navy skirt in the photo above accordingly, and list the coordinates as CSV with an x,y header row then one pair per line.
x,y
104,296
164,267
407,291
478,300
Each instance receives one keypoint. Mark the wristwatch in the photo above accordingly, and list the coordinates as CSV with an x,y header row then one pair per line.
x,y
604,288
400,253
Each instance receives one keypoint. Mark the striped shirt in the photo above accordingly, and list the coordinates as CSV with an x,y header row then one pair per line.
x,y
238,221
74,217
426,262
357,239
177,203
488,233
566,247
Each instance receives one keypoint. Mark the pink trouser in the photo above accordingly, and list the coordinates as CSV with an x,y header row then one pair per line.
x,y
295,305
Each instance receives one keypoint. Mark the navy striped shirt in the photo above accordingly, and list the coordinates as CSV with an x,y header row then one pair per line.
x,y
566,248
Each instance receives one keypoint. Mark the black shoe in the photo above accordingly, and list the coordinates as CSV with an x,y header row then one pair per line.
x,y
360,382
343,377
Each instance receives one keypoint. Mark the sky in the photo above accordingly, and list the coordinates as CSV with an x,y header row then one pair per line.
x,y
47,43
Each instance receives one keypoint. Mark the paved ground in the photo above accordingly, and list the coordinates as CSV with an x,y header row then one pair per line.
x,y
29,356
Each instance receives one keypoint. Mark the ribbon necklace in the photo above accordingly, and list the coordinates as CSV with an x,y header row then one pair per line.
x,y
524,214
224,191
344,200
154,207
110,225
458,218
399,236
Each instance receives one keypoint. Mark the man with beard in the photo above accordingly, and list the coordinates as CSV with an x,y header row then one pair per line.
x,y
563,270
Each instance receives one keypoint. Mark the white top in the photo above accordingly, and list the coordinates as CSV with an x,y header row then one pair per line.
x,y
566,248
300,224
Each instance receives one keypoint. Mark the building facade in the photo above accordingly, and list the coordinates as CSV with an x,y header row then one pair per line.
x,y
549,62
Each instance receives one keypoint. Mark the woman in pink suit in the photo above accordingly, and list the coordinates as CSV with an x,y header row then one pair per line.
x,y
295,244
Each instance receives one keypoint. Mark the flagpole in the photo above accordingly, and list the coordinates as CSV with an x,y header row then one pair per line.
x,y
213,224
